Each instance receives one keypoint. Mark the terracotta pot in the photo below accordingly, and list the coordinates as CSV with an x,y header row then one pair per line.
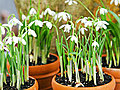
x,y
35,86
115,72
45,73
108,86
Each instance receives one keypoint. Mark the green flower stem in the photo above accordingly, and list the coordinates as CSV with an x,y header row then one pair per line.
x,y
30,45
114,60
44,60
61,65
77,73
35,50
27,57
1,81
86,9
118,55
94,67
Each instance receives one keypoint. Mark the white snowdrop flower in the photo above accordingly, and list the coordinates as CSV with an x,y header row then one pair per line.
x,y
14,21
48,24
24,34
23,17
115,1
88,23
83,30
37,22
49,11
62,15
15,39
73,38
2,30
6,49
70,2
32,11
32,32
41,15
101,24
9,40
66,27
118,14
83,20
103,11
22,40
94,44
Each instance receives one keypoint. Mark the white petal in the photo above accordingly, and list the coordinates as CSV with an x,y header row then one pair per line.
x,y
23,42
23,17
32,32
62,26
39,23
111,1
2,30
6,49
31,23
32,11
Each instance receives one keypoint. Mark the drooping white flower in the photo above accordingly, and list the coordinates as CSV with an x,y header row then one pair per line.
x,y
73,38
115,1
32,11
88,23
37,22
9,40
14,21
83,20
94,44
32,32
48,24
83,30
2,30
15,39
101,24
49,11
70,2
22,40
118,14
103,11
62,15
66,27
23,17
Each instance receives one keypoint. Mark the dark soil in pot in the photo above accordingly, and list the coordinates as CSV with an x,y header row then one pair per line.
x,y
51,59
104,63
27,85
64,81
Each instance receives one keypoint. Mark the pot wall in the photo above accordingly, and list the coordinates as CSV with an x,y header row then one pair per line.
x,y
45,73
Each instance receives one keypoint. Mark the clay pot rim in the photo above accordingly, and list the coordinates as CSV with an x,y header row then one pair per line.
x,y
104,55
36,83
113,80
49,63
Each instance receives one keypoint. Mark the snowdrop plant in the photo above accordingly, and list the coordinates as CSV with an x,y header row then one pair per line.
x,y
82,49
40,28
112,44
16,48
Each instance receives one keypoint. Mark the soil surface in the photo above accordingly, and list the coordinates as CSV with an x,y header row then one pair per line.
x,y
104,63
27,85
51,59
64,81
